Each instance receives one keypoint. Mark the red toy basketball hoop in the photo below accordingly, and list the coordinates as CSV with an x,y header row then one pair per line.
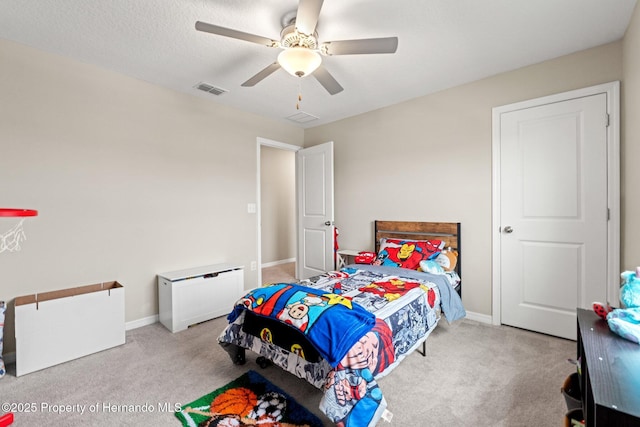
x,y
10,241
18,212
6,419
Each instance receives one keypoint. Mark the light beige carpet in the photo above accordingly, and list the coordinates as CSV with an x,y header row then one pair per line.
x,y
474,375
281,273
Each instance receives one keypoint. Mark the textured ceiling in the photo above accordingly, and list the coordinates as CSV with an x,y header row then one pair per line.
x,y
442,43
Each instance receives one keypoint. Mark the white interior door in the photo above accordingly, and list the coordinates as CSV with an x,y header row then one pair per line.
x,y
553,213
314,182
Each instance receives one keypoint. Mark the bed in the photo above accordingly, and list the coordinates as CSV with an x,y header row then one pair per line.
x,y
343,330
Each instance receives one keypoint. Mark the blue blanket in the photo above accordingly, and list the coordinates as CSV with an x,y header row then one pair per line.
x,y
332,323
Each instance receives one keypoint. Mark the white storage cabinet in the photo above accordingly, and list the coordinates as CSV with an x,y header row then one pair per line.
x,y
57,326
191,296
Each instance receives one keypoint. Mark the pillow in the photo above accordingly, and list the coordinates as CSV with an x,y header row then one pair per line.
x,y
407,253
431,266
447,259
364,257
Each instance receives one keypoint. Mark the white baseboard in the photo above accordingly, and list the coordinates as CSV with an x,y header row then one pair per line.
x,y
282,261
134,324
478,317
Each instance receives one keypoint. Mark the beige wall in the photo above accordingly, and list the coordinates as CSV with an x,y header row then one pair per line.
x,y
130,179
429,159
630,150
278,204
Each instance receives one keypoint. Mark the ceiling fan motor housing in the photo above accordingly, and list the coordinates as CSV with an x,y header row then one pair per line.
x,y
290,37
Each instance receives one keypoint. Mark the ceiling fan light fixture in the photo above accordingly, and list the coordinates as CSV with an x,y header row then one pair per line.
x,y
299,61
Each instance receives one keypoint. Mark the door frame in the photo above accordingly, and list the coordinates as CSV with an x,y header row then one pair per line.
x,y
612,90
274,144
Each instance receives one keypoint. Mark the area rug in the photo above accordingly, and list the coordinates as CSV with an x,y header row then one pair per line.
x,y
250,400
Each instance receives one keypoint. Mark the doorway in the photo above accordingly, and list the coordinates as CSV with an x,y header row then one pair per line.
x,y
555,208
276,214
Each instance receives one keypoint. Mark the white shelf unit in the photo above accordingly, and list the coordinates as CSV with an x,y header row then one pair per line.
x,y
345,257
194,295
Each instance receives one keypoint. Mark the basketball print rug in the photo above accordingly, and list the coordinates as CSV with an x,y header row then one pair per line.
x,y
250,400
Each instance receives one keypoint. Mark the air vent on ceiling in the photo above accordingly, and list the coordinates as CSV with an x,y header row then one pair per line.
x,y
206,87
302,117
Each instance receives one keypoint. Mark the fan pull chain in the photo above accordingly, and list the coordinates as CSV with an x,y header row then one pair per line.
x,y
299,96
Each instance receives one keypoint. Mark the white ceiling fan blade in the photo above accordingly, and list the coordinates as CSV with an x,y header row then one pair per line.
x,y
307,16
327,81
234,34
361,46
261,75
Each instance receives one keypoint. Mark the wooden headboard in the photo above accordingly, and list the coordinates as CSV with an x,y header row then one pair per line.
x,y
449,232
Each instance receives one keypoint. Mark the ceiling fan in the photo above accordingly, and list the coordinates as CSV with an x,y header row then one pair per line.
x,y
302,54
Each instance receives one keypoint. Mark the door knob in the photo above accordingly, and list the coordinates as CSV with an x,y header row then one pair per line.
x,y
508,229
328,223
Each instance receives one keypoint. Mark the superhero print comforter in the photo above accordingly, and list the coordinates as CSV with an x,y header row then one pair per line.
x,y
342,330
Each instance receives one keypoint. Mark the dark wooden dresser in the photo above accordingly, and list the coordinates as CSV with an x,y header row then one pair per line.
x,y
610,380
